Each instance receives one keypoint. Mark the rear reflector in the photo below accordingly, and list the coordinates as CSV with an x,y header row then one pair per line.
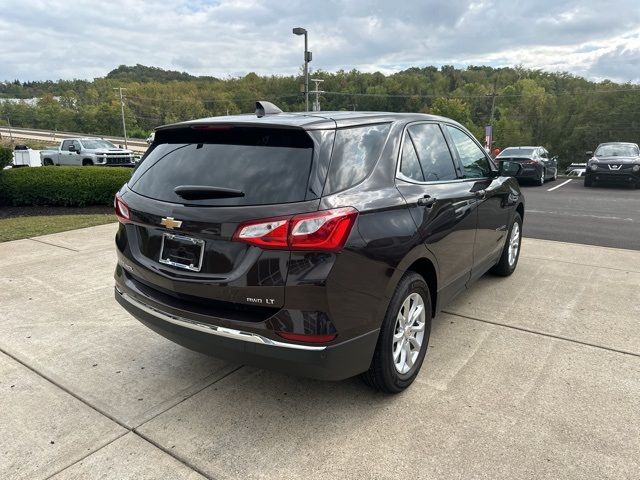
x,y
326,230
301,337
122,210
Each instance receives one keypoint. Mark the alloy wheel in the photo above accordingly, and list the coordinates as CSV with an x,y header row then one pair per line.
x,y
408,333
514,244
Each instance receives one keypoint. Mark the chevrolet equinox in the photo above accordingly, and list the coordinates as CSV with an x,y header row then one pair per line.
x,y
318,244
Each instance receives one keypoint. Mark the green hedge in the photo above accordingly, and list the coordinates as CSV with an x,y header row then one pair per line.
x,y
61,186
6,155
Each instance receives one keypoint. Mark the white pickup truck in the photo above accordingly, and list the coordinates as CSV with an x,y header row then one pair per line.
x,y
87,151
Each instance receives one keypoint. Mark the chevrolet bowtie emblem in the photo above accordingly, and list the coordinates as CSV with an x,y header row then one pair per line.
x,y
171,223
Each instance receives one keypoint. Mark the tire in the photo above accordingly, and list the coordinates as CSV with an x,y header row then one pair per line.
x,y
385,373
87,163
509,258
47,162
588,182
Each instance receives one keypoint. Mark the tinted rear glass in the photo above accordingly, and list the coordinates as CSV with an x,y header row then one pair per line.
x,y
517,152
355,152
269,166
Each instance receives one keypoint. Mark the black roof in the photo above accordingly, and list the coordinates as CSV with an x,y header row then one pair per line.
x,y
311,120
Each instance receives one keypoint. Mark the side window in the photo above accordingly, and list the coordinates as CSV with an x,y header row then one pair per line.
x,y
473,158
65,145
355,152
544,154
77,145
409,165
435,157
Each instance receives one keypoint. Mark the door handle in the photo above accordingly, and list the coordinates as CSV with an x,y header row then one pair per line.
x,y
426,201
481,194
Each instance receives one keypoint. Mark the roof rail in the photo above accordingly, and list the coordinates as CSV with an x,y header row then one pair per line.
x,y
266,108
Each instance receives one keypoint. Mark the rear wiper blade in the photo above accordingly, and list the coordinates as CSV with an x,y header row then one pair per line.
x,y
201,192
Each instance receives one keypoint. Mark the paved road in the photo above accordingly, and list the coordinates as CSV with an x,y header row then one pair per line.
x,y
137,145
604,216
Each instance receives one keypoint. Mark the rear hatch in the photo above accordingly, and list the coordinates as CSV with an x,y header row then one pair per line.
x,y
193,190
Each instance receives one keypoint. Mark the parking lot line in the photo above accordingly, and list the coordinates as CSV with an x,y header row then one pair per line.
x,y
558,186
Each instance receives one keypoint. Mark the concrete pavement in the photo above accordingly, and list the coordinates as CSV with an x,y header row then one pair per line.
x,y
534,376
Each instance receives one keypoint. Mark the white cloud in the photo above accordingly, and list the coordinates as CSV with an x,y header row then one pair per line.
x,y
85,39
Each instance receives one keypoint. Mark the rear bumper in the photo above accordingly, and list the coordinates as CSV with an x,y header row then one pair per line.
x,y
324,362
529,173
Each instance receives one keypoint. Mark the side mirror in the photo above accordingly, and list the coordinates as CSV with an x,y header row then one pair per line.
x,y
554,158
509,169
589,153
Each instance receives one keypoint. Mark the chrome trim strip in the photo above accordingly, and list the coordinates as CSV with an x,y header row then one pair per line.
x,y
214,329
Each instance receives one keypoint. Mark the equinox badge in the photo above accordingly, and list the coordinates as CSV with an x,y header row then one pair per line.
x,y
171,223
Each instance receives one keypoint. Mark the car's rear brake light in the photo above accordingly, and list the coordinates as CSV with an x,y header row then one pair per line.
x,y
122,210
326,230
301,337
212,127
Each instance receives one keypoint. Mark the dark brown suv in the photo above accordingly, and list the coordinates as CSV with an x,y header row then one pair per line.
x,y
319,244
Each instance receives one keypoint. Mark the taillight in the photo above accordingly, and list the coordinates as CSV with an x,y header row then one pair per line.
x,y
326,230
264,233
301,337
122,210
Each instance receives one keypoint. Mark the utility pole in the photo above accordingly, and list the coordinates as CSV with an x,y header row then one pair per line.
x,y
316,104
10,132
493,101
124,125
488,130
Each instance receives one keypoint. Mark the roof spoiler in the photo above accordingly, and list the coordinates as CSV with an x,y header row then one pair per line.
x,y
266,108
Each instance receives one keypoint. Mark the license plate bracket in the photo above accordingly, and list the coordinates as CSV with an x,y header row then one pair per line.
x,y
181,251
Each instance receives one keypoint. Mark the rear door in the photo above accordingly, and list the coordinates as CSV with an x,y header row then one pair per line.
x,y
184,246
440,203
490,194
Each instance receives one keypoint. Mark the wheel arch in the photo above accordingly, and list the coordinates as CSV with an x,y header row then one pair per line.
x,y
427,270
421,261
520,210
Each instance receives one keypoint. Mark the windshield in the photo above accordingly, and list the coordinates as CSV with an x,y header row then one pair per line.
x,y
617,150
267,166
517,152
95,144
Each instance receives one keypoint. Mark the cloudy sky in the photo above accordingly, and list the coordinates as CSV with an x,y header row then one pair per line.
x,y
42,39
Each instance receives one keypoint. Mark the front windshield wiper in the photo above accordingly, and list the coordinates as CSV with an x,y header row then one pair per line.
x,y
201,192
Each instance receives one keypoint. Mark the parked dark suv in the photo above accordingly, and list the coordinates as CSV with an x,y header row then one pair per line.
x,y
617,162
319,244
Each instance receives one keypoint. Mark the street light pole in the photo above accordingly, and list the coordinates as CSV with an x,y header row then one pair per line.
x,y
307,59
124,125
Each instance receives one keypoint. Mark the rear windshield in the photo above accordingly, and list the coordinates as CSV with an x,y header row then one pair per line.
x,y
516,152
269,166
614,150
